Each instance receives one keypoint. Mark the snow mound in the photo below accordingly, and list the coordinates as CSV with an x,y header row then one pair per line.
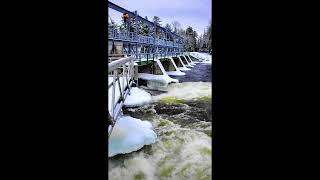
x,y
160,78
175,73
204,57
184,68
137,97
130,134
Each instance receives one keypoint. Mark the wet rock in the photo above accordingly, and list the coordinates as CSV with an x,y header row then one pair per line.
x,y
145,112
201,110
199,114
169,109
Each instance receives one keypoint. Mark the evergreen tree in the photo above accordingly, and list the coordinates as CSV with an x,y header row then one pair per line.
x,y
141,28
194,41
157,21
206,40
145,29
169,29
209,34
200,43
190,39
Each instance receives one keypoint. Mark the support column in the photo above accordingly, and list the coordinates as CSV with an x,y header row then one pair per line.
x,y
136,32
136,23
154,32
166,40
148,32
137,52
129,19
173,39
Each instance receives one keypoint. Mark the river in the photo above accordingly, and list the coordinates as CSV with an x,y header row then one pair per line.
x,y
182,120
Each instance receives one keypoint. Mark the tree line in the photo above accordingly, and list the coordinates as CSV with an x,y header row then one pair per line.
x,y
192,41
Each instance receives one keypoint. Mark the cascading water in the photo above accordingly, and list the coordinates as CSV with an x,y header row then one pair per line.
x,y
176,129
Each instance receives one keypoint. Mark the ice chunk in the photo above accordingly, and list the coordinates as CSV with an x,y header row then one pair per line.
x,y
137,97
130,134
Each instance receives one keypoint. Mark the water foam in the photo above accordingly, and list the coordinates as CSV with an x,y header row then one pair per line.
x,y
176,153
179,153
187,90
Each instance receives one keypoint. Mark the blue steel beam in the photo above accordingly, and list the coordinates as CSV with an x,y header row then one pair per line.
x,y
129,19
155,47
136,23
122,10
154,32
119,9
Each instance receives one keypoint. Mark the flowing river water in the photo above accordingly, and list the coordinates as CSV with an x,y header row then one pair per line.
x,y
182,120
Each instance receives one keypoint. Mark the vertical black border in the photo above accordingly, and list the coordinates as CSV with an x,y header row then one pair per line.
x,y
55,97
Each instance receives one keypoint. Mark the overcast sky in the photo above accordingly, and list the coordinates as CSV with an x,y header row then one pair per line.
x,y
194,13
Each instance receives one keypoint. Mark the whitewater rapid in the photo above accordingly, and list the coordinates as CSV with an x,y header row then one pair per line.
x,y
167,135
182,149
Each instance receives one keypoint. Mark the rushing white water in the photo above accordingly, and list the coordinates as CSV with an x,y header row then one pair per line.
x,y
130,134
187,90
153,77
174,139
179,153
182,149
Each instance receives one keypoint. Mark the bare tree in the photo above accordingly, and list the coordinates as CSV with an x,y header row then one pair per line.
x,y
176,26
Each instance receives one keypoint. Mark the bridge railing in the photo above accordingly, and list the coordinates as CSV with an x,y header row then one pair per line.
x,y
121,35
169,43
117,34
157,55
142,39
122,74
161,42
144,56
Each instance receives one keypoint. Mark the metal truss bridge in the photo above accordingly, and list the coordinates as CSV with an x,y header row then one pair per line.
x,y
157,43
127,46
